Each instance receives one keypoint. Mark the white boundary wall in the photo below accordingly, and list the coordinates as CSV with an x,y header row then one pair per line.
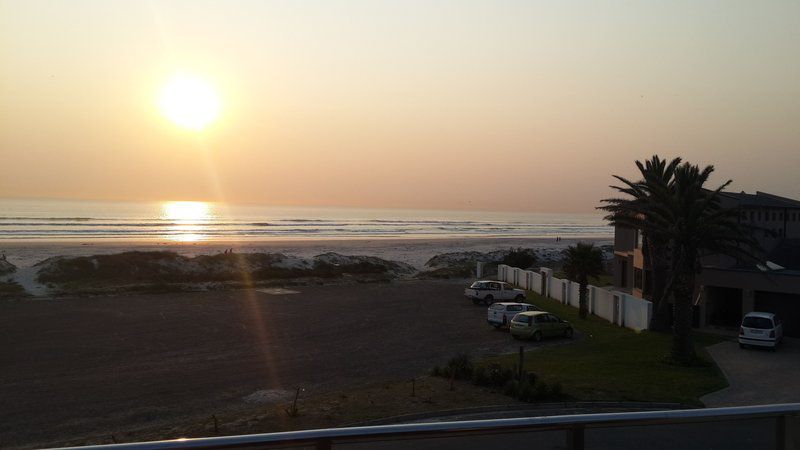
x,y
616,307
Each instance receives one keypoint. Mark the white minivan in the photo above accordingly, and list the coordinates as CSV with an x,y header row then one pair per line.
x,y
500,314
760,329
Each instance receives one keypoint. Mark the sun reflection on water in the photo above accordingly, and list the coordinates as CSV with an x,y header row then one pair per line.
x,y
190,220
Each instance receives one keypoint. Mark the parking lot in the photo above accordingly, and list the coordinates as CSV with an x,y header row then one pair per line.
x,y
77,366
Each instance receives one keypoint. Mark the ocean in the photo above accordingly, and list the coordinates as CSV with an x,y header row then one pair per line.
x,y
69,220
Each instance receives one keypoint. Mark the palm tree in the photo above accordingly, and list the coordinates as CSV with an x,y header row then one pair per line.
x,y
699,225
632,212
691,221
582,261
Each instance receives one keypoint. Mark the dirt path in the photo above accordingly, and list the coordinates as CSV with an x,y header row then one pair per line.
x,y
80,366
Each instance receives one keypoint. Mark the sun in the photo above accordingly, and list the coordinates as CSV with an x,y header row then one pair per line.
x,y
189,102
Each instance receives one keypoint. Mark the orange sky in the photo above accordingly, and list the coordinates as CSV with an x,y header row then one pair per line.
x,y
451,104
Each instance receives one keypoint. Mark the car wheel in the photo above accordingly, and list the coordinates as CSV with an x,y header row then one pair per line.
x,y
475,301
568,333
488,300
519,297
537,336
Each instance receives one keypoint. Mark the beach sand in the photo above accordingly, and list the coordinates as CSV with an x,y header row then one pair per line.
x,y
412,251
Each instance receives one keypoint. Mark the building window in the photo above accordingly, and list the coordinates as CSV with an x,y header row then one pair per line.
x,y
759,216
637,278
780,216
752,216
774,216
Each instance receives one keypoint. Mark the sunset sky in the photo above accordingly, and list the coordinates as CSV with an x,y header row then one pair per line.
x,y
494,105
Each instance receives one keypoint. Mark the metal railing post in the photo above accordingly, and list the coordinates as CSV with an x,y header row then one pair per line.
x,y
786,432
575,437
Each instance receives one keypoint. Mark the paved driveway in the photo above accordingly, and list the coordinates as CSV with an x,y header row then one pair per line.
x,y
757,376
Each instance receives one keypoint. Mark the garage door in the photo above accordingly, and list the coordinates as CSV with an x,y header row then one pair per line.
x,y
786,306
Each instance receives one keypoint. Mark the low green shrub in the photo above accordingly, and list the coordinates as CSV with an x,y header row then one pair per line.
x,y
499,375
542,392
526,392
460,367
529,389
556,391
530,377
520,257
480,377
511,388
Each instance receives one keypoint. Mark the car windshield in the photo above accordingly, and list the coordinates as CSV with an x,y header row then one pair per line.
x,y
478,285
522,318
761,323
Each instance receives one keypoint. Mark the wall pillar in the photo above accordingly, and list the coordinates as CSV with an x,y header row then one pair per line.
x,y
547,275
748,301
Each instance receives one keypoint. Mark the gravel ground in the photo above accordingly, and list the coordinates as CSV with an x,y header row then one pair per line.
x,y
73,367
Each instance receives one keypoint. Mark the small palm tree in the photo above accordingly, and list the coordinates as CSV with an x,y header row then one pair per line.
x,y
581,262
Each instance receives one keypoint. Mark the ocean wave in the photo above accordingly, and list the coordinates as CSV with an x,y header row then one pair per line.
x,y
74,219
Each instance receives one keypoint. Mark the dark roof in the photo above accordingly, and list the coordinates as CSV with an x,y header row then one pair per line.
x,y
761,199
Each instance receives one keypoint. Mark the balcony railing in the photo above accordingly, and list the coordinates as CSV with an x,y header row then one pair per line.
x,y
751,427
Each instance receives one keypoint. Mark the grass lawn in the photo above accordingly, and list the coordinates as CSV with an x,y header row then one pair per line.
x,y
603,280
612,363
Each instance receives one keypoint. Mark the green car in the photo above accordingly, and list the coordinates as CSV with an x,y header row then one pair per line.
x,y
539,324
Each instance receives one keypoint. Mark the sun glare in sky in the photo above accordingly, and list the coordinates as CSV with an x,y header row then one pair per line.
x,y
189,102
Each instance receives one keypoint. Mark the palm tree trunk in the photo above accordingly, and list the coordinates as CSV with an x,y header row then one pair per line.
x,y
659,270
682,347
583,306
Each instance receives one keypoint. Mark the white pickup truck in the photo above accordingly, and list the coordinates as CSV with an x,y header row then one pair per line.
x,y
488,292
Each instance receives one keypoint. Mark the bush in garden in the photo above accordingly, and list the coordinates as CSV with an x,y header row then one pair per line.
x,y
511,388
460,367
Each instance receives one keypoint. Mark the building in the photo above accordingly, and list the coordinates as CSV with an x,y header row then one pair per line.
x,y
727,289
